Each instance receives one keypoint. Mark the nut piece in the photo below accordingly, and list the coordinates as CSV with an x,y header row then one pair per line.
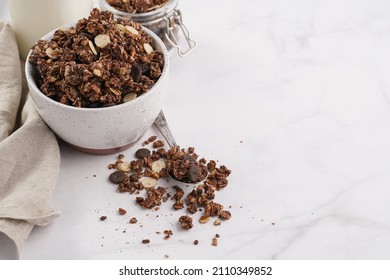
x,y
53,53
96,72
132,30
92,47
102,40
158,165
204,220
124,166
148,48
148,182
128,97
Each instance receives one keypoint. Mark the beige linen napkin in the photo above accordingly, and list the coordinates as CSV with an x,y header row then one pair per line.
x,y
29,153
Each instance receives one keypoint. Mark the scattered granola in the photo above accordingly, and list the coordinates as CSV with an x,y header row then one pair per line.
x,y
136,6
102,61
133,220
153,198
141,176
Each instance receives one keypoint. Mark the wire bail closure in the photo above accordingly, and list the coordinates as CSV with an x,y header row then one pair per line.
x,y
173,18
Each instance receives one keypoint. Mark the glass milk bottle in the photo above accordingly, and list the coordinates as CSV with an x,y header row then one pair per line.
x,y
31,19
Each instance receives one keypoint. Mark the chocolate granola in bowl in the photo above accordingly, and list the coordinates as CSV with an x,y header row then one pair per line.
x,y
76,74
100,62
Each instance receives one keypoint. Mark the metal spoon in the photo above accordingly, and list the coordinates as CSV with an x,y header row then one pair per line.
x,y
162,126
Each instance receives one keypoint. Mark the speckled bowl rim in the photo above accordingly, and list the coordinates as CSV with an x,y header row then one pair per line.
x,y
30,70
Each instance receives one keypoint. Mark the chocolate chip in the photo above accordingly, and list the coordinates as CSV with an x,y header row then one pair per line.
x,y
117,177
142,153
136,72
193,173
94,105
144,68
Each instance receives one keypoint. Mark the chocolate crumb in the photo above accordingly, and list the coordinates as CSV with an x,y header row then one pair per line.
x,y
102,218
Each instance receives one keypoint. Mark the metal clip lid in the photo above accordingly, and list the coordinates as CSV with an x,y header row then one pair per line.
x,y
176,17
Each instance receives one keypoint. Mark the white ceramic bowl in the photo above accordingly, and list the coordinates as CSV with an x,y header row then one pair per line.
x,y
102,130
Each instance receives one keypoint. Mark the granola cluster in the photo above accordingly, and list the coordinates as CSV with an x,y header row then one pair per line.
x,y
136,6
141,175
184,166
100,62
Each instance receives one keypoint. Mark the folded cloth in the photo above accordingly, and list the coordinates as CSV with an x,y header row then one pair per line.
x,y
29,152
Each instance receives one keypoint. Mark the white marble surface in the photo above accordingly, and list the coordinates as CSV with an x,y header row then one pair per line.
x,y
294,97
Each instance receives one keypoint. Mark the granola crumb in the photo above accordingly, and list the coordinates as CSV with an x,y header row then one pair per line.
x,y
122,211
196,242
146,241
133,220
102,218
185,222
214,242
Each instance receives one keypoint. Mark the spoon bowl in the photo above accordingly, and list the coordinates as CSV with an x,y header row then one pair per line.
x,y
184,168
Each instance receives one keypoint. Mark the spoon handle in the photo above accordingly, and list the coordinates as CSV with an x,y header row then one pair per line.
x,y
162,126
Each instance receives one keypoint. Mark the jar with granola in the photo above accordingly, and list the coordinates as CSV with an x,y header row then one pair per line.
x,y
160,16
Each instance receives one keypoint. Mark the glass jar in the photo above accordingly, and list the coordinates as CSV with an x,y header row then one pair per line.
x,y
31,20
166,22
